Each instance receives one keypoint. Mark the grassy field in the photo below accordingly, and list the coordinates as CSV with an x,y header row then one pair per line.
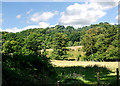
x,y
73,52
85,73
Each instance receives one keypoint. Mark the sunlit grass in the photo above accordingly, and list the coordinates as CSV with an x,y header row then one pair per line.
x,y
86,71
73,52
110,65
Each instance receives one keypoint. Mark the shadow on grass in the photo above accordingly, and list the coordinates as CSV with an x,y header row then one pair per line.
x,y
85,75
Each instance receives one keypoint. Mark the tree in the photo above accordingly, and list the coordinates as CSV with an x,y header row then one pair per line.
x,y
100,43
11,47
70,28
33,43
88,42
60,42
27,67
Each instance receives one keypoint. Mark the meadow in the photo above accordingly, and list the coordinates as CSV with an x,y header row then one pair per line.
x,y
70,71
85,73
72,52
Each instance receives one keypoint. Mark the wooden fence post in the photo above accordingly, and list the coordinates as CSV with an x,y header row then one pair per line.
x,y
98,79
117,70
58,83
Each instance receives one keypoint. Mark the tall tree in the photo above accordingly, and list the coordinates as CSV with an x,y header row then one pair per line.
x,y
101,43
33,43
60,42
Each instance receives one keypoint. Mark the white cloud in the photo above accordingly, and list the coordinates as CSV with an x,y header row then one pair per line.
x,y
112,23
15,29
105,4
44,25
0,29
117,17
18,16
28,12
41,25
87,13
81,14
75,26
37,17
108,5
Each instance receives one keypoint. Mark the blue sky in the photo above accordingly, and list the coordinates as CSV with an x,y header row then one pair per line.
x,y
18,16
11,10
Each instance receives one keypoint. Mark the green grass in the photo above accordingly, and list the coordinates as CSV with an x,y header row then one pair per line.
x,y
73,52
85,73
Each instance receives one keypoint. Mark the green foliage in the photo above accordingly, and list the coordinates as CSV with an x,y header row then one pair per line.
x,y
59,41
70,43
101,43
23,65
32,43
76,43
96,40
74,35
11,47
78,57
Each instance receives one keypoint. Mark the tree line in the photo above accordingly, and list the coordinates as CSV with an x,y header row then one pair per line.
x,y
99,41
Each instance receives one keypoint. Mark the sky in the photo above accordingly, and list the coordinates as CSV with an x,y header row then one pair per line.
x,y
18,16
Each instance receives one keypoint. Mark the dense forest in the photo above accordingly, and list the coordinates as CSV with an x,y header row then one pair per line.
x,y
22,61
99,41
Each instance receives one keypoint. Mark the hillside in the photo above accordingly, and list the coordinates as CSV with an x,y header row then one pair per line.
x,y
22,62
99,41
